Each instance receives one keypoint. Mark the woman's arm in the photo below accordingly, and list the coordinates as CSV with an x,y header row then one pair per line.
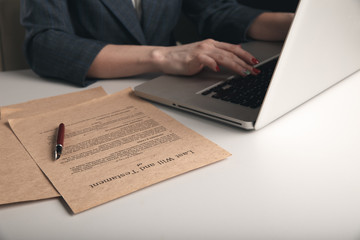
x,y
230,21
122,60
52,47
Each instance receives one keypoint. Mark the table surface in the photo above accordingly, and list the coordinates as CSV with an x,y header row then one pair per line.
x,y
297,178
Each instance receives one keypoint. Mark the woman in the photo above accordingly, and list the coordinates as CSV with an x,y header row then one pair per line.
x,y
83,40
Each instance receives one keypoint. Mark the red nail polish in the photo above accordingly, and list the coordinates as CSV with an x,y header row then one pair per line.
x,y
255,61
217,68
256,71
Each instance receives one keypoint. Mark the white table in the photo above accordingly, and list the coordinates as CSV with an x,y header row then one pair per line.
x,y
298,178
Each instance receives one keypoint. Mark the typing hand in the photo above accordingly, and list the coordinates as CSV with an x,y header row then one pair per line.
x,y
191,58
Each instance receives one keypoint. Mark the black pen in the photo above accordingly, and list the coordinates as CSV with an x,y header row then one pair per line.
x,y
60,141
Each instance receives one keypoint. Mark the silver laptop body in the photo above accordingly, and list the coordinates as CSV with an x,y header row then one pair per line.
x,y
322,48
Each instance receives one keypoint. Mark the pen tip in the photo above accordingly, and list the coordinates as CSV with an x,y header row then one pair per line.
x,y
57,156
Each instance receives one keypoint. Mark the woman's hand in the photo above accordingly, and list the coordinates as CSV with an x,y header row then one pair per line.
x,y
271,26
191,58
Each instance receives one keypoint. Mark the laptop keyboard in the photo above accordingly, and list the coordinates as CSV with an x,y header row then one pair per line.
x,y
248,91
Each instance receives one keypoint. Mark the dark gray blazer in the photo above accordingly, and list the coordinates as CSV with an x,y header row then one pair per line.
x,y
64,36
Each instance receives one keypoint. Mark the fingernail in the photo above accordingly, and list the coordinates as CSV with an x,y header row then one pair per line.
x,y
217,68
239,45
255,61
246,72
256,71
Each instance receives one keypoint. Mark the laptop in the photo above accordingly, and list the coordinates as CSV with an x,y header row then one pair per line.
x,y
321,49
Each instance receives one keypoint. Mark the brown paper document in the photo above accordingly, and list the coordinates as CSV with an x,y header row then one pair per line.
x,y
43,105
20,177
113,146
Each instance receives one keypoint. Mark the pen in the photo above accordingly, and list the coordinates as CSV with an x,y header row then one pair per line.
x,y
60,141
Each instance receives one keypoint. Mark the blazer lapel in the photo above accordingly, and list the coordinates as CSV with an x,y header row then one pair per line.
x,y
125,12
151,17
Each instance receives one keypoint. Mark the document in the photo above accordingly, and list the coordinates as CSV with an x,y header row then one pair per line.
x,y
20,177
48,104
113,146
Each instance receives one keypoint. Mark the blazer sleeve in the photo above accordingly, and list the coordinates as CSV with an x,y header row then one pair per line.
x,y
223,20
52,48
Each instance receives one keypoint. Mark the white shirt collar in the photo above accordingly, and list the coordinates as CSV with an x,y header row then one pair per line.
x,y
137,5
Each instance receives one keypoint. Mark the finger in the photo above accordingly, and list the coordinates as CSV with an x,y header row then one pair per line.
x,y
219,52
238,51
232,62
208,62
